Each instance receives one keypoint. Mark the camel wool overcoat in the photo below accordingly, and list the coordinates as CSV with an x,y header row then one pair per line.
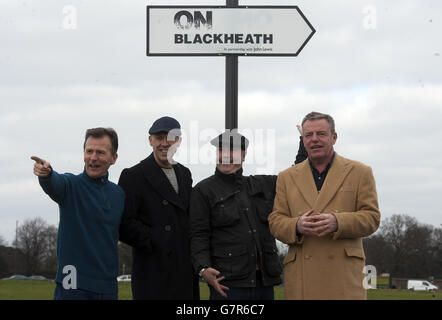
x,y
332,266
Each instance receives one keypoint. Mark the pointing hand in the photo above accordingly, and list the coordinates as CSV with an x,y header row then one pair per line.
x,y
41,167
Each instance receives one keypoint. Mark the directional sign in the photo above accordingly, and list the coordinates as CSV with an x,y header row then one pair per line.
x,y
252,31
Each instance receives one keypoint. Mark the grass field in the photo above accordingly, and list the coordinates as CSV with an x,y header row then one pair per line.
x,y
44,290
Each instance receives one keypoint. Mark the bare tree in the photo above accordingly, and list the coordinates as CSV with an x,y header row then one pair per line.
x,y
3,242
395,231
31,240
49,256
379,253
3,263
125,258
437,253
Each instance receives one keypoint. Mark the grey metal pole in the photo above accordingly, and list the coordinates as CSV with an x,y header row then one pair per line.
x,y
15,248
231,83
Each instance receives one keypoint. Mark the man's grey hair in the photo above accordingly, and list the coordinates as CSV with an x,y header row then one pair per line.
x,y
319,116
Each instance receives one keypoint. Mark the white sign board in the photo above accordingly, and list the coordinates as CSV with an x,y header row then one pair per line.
x,y
281,30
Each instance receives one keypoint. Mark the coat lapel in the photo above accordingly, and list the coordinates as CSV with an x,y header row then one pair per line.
x,y
302,177
335,177
184,189
157,178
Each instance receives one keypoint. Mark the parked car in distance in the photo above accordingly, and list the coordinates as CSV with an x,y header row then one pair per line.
x,y
124,277
38,278
421,285
17,277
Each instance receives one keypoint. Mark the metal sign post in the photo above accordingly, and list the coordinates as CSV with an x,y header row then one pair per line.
x,y
229,31
232,84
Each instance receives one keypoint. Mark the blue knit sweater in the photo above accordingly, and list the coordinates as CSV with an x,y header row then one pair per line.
x,y
90,214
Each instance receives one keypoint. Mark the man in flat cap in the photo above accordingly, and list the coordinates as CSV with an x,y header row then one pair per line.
x,y
231,245
155,219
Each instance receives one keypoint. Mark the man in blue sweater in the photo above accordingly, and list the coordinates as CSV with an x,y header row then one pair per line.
x,y
90,212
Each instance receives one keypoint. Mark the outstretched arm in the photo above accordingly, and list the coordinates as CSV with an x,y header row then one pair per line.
x,y
53,184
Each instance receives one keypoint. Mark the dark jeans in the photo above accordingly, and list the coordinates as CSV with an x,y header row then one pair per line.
x,y
260,292
61,293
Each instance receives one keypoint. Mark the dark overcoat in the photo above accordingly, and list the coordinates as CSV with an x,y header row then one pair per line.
x,y
156,224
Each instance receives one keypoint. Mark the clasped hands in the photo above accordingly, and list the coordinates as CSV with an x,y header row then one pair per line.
x,y
316,225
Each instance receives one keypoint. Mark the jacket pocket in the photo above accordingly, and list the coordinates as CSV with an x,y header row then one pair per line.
x,y
232,262
271,262
355,252
290,257
224,211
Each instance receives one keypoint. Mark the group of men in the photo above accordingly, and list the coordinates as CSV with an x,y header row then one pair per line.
x,y
222,230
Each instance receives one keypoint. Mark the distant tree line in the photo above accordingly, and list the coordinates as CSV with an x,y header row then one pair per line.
x,y
34,251
405,248
402,247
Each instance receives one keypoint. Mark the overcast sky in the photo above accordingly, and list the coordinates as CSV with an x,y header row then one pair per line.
x,y
375,66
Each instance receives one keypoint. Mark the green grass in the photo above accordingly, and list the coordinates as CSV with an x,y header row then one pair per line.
x,y
124,291
394,294
26,290
44,290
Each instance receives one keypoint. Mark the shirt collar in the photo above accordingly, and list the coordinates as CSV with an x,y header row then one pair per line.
x,y
326,168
